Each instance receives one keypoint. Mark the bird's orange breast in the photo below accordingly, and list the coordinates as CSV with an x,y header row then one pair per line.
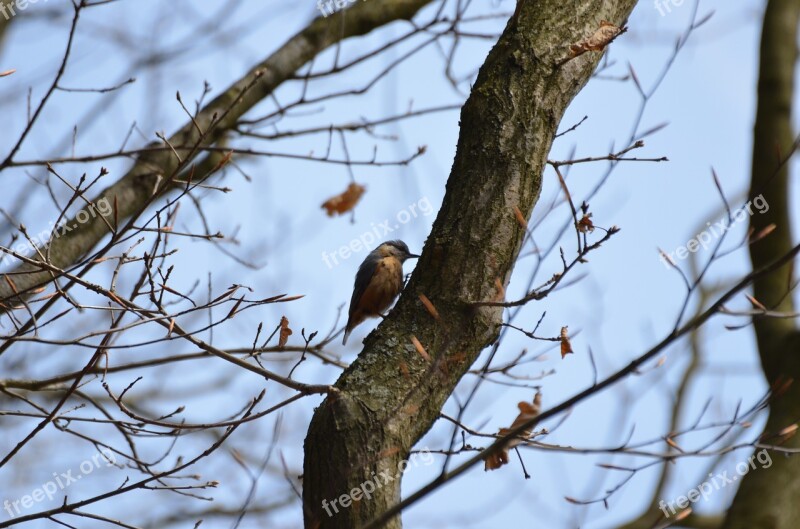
x,y
384,286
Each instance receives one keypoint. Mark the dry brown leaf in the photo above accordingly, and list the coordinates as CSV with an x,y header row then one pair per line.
x,y
527,411
788,432
673,444
421,350
601,38
404,370
585,225
566,346
392,450
429,306
762,233
756,304
456,358
282,299
520,218
344,202
285,332
501,292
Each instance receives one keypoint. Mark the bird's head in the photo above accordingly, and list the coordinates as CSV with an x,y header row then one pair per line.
x,y
397,249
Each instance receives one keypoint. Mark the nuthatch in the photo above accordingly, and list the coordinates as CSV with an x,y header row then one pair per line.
x,y
378,282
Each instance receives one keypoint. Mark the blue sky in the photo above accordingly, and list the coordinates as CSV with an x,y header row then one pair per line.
x,y
626,299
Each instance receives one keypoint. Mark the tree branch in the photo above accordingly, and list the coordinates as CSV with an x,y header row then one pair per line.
x,y
152,174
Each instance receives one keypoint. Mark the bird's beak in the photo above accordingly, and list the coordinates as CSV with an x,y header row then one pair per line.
x,y
411,256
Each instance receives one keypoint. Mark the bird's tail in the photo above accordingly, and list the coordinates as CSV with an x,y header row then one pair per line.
x,y
353,319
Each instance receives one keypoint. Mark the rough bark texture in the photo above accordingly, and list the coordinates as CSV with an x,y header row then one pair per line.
x,y
4,23
768,499
390,396
134,191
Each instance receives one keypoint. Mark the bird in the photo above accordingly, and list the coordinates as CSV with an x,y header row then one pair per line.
x,y
379,281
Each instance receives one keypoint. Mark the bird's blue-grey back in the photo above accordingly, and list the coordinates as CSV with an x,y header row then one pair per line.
x,y
363,277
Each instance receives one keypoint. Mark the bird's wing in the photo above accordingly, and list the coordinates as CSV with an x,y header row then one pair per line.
x,y
363,277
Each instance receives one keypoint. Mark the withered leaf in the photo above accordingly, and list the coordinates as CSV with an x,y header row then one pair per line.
x,y
756,304
404,370
285,332
788,432
762,233
520,218
420,349
673,444
566,346
527,411
429,306
598,41
392,450
344,202
501,292
585,225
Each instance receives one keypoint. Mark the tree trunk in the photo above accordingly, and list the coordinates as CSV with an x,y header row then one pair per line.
x,y
768,499
390,396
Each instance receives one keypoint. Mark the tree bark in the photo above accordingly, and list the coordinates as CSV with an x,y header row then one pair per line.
x,y
390,396
767,499
4,22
